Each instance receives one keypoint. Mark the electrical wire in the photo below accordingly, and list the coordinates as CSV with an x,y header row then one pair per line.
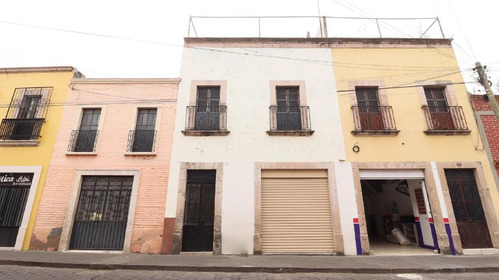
x,y
461,29
344,64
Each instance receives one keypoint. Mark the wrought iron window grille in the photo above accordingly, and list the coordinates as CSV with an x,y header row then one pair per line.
x,y
289,118
141,141
374,119
26,114
206,118
83,141
445,119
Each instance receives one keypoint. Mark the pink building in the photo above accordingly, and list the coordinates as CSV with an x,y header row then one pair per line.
x,y
106,184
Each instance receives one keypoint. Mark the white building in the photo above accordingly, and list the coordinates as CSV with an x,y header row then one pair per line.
x,y
254,116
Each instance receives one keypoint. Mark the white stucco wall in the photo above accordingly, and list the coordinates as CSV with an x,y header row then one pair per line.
x,y
424,219
248,99
237,221
348,206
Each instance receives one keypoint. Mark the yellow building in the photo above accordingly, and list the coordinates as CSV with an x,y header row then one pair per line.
x,y
418,163
31,108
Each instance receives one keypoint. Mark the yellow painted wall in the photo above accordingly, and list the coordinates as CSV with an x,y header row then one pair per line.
x,y
40,155
405,66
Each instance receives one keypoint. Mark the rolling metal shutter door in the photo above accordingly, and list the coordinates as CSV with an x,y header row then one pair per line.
x,y
296,213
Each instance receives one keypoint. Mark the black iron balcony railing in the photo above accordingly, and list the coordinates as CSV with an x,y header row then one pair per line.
x,y
83,140
21,129
141,141
373,119
289,118
206,118
445,119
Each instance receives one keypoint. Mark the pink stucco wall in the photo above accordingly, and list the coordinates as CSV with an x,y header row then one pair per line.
x,y
119,100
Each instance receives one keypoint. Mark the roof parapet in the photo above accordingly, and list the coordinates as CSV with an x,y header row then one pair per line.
x,y
313,27
125,80
38,69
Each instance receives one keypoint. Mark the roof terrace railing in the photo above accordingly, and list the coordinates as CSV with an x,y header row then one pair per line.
x,y
313,27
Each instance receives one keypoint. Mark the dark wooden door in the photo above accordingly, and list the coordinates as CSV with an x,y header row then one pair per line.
x,y
438,108
198,229
102,213
468,209
370,116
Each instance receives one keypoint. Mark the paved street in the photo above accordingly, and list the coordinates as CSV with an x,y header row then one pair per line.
x,y
8,272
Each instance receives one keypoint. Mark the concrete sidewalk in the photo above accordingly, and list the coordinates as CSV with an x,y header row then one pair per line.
x,y
270,264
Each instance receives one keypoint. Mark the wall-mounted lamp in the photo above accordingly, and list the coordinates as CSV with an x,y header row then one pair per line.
x,y
355,148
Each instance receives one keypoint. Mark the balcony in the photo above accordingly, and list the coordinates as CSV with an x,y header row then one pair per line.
x,y
373,120
141,141
83,141
290,121
21,129
445,120
206,121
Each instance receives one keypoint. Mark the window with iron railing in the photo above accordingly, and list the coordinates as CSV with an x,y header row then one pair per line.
x,y
288,117
26,114
369,116
143,138
85,139
442,118
208,117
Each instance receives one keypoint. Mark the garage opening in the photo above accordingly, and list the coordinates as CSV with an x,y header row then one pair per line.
x,y
398,217
296,213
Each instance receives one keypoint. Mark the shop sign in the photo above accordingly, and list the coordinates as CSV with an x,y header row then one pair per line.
x,y
16,179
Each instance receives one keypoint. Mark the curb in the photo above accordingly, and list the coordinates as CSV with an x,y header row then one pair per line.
x,y
187,268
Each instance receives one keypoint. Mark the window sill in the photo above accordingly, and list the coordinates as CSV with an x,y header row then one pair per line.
x,y
447,132
153,154
382,132
205,132
81,153
290,132
19,143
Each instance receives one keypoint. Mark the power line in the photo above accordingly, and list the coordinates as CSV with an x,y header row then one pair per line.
x,y
137,101
400,87
392,27
432,78
340,64
461,29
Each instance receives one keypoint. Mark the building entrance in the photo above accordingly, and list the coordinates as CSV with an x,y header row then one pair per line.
x,y
398,217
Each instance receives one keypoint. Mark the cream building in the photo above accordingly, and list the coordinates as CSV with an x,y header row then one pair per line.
x,y
414,146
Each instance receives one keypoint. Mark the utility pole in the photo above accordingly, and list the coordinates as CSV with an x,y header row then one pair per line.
x,y
483,79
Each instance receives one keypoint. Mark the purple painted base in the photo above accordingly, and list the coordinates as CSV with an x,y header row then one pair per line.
x,y
450,238
357,235
434,237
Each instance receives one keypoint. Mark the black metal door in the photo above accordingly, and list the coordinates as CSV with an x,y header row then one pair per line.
x,y
14,191
468,209
23,130
102,213
288,108
198,229
208,108
144,130
88,130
